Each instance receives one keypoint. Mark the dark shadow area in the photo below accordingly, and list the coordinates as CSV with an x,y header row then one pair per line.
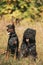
x,y
32,16
38,3
3,3
28,4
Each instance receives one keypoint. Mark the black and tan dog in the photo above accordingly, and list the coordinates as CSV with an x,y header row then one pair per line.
x,y
28,46
13,42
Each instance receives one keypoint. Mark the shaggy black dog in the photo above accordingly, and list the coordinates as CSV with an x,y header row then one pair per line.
x,y
28,46
13,42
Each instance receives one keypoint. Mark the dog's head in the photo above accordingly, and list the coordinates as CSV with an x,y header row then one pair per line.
x,y
10,28
29,35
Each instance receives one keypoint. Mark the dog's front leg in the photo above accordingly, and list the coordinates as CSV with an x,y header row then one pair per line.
x,y
7,55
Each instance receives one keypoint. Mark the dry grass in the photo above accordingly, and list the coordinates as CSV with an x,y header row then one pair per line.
x,y
38,26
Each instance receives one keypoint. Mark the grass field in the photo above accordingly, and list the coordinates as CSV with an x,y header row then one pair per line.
x,y
20,28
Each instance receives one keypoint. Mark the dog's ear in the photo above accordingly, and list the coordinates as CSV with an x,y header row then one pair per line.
x,y
13,22
12,19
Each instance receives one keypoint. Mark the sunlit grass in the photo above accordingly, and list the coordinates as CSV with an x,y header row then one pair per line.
x,y
24,24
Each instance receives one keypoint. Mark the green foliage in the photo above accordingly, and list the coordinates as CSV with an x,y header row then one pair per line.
x,y
25,7
39,3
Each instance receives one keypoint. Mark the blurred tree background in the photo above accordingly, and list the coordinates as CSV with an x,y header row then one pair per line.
x,y
21,8
26,14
